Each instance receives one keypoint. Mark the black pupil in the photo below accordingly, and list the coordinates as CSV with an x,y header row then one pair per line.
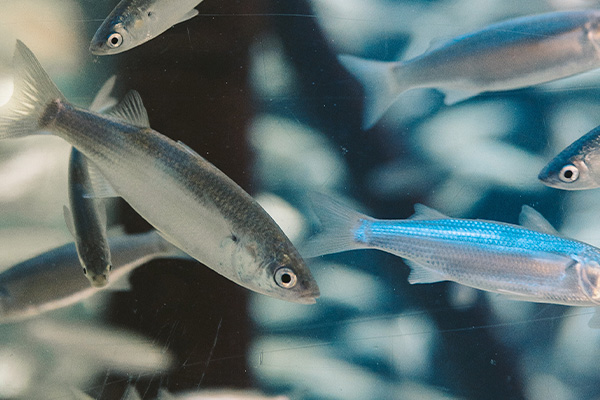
x,y
568,174
114,40
85,271
286,278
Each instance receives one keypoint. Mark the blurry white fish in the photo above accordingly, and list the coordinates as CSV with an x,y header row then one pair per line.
x,y
577,167
86,220
508,55
218,394
53,279
134,22
529,263
192,203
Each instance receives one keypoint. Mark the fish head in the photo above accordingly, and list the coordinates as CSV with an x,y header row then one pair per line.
x,y
577,167
275,268
589,278
122,30
96,268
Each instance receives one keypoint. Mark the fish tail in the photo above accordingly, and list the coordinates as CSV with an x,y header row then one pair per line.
x,y
340,228
33,92
377,80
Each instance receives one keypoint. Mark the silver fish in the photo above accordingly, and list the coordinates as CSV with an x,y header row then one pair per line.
x,y
86,220
577,167
134,22
53,279
192,203
508,55
530,262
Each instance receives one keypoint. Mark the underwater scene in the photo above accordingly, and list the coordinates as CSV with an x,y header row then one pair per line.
x,y
299,199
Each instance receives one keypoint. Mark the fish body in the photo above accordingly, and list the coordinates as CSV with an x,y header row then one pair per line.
x,y
577,167
508,55
530,264
192,203
86,221
54,280
134,22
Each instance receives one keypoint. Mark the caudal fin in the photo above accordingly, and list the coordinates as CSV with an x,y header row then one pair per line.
x,y
377,79
340,228
33,91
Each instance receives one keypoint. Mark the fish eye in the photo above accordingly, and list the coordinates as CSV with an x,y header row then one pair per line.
x,y
285,278
114,40
568,173
84,271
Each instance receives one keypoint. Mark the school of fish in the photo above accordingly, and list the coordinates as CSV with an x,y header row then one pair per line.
x,y
199,213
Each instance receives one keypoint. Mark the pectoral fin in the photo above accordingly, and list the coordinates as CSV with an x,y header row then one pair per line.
x,y
188,15
594,322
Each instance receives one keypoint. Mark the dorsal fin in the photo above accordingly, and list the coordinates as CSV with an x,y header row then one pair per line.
x,y
425,213
131,109
531,219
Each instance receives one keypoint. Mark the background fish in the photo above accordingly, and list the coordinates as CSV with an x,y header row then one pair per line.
x,y
577,167
509,55
134,22
86,220
53,279
193,204
529,264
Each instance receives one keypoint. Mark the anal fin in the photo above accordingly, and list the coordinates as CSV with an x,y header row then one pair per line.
x,y
421,273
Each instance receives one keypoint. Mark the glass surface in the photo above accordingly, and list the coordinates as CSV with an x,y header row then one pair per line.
x,y
256,88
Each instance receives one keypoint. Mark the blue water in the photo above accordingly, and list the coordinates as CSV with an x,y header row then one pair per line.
x,y
255,87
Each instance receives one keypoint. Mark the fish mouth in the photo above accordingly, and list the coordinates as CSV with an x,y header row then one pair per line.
x,y
99,281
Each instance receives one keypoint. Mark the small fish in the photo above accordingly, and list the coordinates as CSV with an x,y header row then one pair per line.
x,y
577,167
508,55
189,201
53,279
86,220
134,22
531,262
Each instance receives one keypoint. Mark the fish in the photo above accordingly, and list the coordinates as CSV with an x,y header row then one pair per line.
x,y
508,55
527,262
86,218
188,200
577,167
134,22
53,279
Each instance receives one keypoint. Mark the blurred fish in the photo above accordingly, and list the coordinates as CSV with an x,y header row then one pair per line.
x,y
134,22
100,346
192,203
218,394
577,167
508,55
53,279
86,220
529,263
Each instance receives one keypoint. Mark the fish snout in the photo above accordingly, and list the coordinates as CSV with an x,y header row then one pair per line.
x,y
99,280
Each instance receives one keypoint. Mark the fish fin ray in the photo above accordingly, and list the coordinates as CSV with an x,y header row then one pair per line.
x,y
69,221
422,212
33,92
338,223
103,100
131,109
188,15
531,219
100,187
380,86
421,273
187,148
